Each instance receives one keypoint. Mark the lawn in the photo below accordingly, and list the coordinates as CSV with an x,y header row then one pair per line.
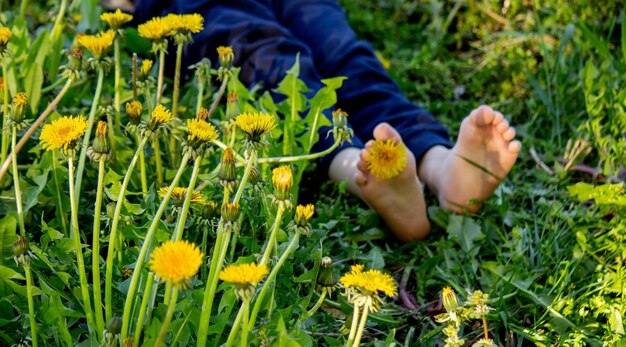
x,y
104,245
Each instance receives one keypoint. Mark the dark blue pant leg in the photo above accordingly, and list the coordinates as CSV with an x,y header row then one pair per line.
x,y
368,95
264,49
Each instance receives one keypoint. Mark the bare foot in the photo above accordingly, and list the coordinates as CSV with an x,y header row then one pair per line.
x,y
399,201
464,176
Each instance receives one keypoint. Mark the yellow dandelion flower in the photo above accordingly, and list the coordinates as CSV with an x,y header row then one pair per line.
x,y
97,44
200,130
370,281
223,51
116,19
161,115
176,261
5,35
185,23
134,109
146,65
179,194
256,124
303,214
102,129
20,99
244,274
155,29
386,159
282,178
63,132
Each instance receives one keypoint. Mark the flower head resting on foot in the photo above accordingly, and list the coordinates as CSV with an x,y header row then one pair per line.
x,y
386,159
176,262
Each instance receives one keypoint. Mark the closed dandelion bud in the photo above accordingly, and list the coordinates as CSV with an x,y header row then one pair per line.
x,y
282,178
20,247
203,114
254,177
232,106
326,276
340,118
303,214
144,70
134,110
110,209
228,171
5,37
100,146
449,299
226,56
209,210
115,325
19,106
230,212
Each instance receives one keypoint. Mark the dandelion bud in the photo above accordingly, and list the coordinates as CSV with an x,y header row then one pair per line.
x,y
340,118
19,103
230,212
203,114
326,276
128,342
449,299
226,56
228,171
232,106
303,214
282,178
20,251
144,70
209,210
134,110
115,325
254,177
110,209
20,247
100,146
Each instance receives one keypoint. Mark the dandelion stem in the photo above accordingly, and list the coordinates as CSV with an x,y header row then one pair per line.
x,y
56,29
359,334
5,113
87,137
16,184
34,126
157,160
78,248
270,280
159,90
205,236
95,256
485,328
221,244
179,57
165,327
108,290
251,161
146,244
31,305
23,7
142,169
142,309
118,77
218,97
58,191
300,157
200,96
353,326
272,239
241,315
182,217
314,309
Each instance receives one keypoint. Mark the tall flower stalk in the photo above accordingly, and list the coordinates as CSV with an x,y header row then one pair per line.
x,y
115,20
17,122
159,117
22,257
5,36
98,45
64,134
99,153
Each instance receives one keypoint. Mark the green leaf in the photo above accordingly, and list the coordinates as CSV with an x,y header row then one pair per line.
x,y
323,99
8,227
6,273
465,231
32,85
